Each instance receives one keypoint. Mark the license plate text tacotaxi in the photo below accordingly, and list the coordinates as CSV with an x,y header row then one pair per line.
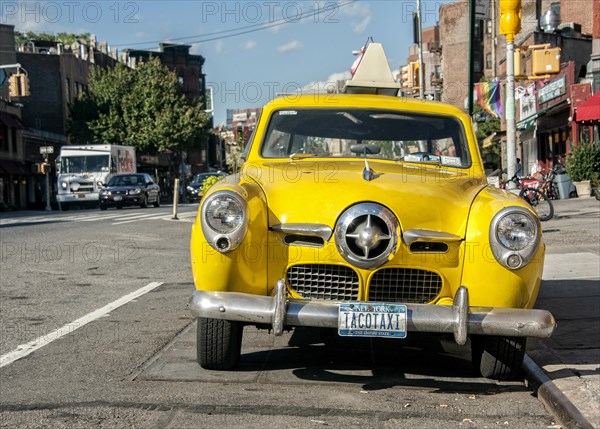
x,y
372,320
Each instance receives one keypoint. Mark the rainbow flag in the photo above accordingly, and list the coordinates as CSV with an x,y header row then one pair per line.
x,y
487,95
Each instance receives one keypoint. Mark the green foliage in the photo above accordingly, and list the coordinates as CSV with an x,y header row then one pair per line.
x,y
208,182
486,127
64,38
144,108
584,162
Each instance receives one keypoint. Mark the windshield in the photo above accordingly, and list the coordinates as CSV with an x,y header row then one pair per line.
x,y
398,136
84,164
127,180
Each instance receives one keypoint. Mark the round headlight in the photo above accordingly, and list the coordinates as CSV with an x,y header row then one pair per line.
x,y
224,219
64,185
224,214
516,231
514,236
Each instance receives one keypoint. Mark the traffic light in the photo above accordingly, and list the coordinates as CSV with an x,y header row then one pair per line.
x,y
414,66
14,88
41,168
407,77
545,61
24,83
18,85
520,64
510,18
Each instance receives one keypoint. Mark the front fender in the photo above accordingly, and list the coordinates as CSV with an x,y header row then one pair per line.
x,y
490,284
245,268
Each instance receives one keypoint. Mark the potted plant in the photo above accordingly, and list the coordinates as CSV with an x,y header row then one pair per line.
x,y
583,166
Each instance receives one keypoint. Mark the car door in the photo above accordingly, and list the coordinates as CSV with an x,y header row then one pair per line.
x,y
151,188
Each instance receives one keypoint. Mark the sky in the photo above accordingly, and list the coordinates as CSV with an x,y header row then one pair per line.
x,y
253,50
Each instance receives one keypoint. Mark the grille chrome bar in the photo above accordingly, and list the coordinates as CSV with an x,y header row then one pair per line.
x,y
322,281
404,285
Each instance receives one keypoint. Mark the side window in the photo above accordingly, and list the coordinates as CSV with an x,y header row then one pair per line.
x,y
149,180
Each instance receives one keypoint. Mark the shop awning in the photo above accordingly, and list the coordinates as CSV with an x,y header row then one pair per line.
x,y
589,111
11,121
13,167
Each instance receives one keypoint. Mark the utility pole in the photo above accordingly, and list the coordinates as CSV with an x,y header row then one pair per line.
x,y
510,24
470,83
421,71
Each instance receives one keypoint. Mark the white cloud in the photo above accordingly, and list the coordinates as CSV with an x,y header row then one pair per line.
x,y
291,46
328,84
249,44
361,13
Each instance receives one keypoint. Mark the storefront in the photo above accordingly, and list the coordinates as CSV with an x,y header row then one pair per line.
x,y
553,126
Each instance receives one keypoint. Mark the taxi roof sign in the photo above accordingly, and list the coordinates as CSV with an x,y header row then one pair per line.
x,y
373,74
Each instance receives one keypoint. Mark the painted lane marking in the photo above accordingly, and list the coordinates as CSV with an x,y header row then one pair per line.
x,y
26,349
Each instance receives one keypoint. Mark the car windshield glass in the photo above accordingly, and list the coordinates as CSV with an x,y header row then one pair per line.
x,y
398,136
84,164
127,180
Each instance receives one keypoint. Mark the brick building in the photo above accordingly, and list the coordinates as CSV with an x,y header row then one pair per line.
x,y
14,171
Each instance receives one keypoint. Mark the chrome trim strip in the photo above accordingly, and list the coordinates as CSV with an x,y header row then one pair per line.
x,y
458,319
412,235
309,229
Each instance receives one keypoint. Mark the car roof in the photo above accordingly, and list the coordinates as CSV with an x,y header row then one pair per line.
x,y
363,101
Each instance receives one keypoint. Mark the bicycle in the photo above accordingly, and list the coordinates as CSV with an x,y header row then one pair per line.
x,y
538,200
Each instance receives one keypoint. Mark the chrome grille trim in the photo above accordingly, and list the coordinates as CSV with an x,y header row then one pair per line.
x,y
326,282
407,285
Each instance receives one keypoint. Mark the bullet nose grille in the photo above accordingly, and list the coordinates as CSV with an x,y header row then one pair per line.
x,y
405,285
326,282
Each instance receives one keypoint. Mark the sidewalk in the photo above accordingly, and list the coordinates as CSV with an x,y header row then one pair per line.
x,y
569,380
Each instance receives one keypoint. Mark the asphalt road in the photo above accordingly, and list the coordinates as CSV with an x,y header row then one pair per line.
x,y
134,366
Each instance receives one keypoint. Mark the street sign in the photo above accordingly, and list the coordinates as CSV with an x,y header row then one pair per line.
x,y
44,150
482,9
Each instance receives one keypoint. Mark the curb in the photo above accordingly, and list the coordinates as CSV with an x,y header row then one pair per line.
x,y
554,400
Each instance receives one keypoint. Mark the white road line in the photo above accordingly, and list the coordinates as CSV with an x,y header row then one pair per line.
x,y
138,218
26,349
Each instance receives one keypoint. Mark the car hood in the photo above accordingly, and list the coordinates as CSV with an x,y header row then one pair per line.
x,y
421,197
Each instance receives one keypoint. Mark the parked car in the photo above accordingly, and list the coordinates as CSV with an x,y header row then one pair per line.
x,y
335,224
194,188
130,190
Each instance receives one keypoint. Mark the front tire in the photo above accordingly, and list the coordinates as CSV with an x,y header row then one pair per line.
x,y
144,202
498,358
219,343
157,202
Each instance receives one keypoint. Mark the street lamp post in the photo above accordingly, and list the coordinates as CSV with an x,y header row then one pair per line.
x,y
420,35
510,24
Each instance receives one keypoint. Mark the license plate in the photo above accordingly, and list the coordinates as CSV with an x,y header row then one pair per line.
x,y
372,320
80,196
118,198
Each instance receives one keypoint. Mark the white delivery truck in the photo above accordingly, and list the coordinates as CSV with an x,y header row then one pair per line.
x,y
82,170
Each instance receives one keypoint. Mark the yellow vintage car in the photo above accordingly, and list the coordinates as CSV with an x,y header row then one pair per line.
x,y
369,214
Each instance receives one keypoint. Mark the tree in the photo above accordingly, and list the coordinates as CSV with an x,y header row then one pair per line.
x,y
145,108
64,38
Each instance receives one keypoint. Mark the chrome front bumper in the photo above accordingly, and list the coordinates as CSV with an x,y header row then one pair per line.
x,y
459,319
